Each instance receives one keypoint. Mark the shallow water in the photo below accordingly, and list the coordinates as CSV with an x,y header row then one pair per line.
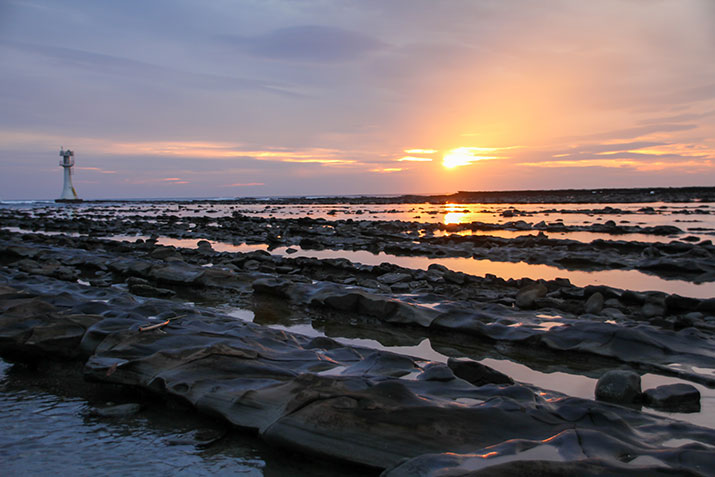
x,y
682,215
49,433
627,279
567,383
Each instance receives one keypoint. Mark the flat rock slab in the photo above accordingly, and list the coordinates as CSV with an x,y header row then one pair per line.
x,y
678,397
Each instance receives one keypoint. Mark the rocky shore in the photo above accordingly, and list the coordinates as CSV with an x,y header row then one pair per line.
x,y
684,257
148,317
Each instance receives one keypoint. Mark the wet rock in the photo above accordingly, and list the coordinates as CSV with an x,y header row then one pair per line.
x,y
251,265
150,291
594,304
311,244
457,278
707,306
569,453
619,386
131,281
436,372
272,286
652,309
630,297
392,278
613,313
526,296
678,397
176,272
665,230
477,373
204,246
163,253
401,287
343,302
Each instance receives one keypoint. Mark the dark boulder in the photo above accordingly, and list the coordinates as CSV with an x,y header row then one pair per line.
x,y
619,386
678,397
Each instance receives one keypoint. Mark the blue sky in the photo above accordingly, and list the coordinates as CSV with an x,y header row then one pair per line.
x,y
250,98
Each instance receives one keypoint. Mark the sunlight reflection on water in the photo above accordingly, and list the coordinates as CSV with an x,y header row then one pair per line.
x,y
627,279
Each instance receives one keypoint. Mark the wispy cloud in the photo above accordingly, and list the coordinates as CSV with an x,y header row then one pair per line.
x,y
308,43
128,68
95,169
687,166
386,170
414,159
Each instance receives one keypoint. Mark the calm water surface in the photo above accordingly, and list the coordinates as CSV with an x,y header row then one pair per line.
x,y
44,431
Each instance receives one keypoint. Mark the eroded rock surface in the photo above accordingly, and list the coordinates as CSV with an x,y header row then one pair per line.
x,y
356,404
134,314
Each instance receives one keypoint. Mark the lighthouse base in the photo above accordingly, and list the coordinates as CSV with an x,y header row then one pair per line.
x,y
70,201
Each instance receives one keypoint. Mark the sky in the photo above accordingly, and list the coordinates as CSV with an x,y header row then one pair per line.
x,y
228,98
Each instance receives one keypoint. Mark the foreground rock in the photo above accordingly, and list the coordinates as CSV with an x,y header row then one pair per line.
x,y
318,396
619,386
679,397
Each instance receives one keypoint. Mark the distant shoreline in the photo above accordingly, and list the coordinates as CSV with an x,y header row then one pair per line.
x,y
555,196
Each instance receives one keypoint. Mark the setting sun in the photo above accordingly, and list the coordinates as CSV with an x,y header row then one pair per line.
x,y
464,156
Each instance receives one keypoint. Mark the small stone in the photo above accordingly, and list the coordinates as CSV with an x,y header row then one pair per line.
x,y
392,278
436,372
401,287
613,313
251,265
204,245
707,305
477,373
150,291
162,253
619,386
594,304
526,297
681,303
678,397
649,310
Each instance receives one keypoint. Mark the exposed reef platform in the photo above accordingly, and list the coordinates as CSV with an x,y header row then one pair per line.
x,y
169,323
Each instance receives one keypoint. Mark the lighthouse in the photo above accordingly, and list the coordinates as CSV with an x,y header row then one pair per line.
x,y
68,192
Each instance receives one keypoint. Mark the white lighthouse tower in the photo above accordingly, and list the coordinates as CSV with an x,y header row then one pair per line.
x,y
68,192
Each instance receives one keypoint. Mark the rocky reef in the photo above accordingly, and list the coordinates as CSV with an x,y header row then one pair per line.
x,y
154,318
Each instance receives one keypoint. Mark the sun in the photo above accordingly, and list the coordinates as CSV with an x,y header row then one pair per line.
x,y
464,156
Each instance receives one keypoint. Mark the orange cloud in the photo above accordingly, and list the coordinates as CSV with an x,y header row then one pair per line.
x,y
643,166
414,159
386,170
97,169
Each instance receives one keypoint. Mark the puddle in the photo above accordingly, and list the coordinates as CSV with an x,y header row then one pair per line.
x,y
626,279
570,384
